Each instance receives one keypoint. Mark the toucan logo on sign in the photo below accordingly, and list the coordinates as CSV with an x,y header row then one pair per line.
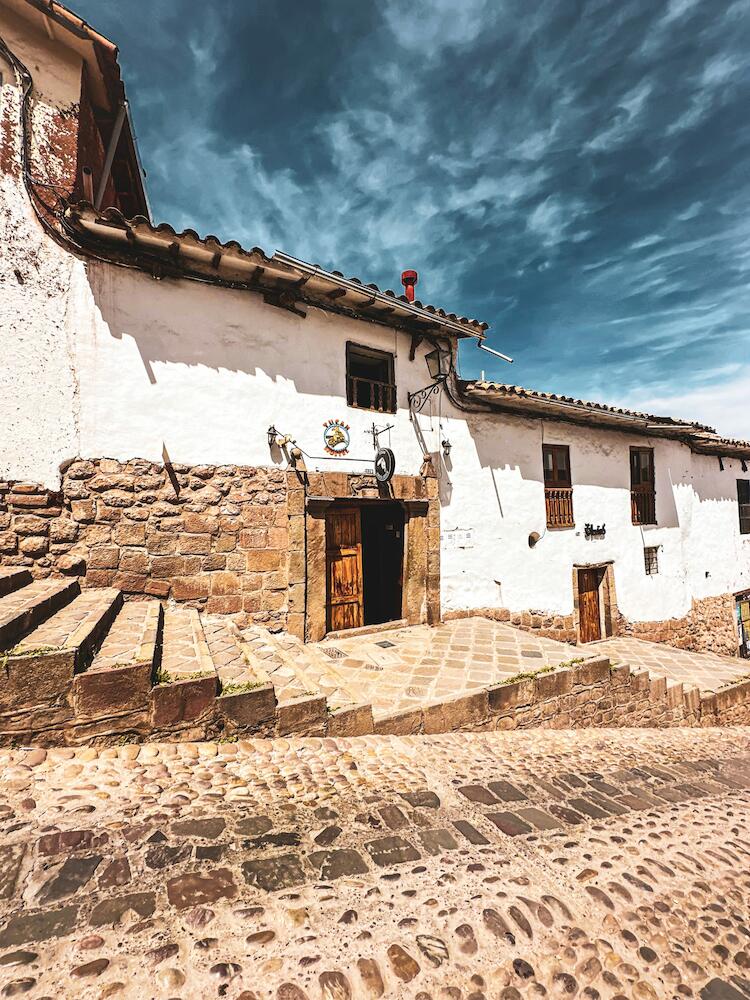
x,y
336,437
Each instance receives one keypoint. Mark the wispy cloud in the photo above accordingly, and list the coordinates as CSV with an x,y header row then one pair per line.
x,y
576,174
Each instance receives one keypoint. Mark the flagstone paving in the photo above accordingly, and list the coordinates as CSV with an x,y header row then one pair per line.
x,y
708,671
594,864
404,668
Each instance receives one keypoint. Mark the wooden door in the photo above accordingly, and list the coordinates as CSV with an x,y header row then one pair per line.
x,y
588,605
344,608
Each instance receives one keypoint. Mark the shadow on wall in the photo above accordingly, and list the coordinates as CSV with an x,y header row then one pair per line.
x,y
183,322
603,465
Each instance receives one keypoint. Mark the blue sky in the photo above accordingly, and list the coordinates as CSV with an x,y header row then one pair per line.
x,y
575,173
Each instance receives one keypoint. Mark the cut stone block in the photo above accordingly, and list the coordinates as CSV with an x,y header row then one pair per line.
x,y
13,579
24,609
119,679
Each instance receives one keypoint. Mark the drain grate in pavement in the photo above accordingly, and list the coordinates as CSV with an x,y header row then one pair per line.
x,y
385,644
335,654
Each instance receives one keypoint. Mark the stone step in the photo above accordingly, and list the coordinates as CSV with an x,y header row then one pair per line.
x,y
247,697
24,609
316,671
186,679
13,578
76,629
119,677
283,676
39,669
305,680
340,689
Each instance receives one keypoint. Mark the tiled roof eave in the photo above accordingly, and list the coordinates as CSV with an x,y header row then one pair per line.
x,y
187,254
529,402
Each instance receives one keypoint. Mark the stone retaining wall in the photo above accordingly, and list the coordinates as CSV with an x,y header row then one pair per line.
x,y
213,537
544,623
709,627
592,694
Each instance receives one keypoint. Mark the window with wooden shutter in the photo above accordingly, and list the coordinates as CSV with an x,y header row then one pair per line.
x,y
743,503
370,379
558,489
642,489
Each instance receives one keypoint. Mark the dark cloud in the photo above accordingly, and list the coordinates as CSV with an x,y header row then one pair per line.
x,y
577,174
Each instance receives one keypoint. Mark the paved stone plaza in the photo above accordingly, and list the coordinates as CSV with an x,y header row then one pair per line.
x,y
612,864
708,671
407,667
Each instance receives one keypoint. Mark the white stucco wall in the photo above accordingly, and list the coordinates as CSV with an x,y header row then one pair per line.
x,y
203,372
495,489
37,377
102,361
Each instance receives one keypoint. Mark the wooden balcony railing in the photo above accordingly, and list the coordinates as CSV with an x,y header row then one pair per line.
x,y
643,505
369,394
559,501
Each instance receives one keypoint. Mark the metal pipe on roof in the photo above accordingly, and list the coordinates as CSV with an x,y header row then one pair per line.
x,y
315,269
497,354
108,159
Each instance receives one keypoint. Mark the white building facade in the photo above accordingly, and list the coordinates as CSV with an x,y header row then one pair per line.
x,y
166,397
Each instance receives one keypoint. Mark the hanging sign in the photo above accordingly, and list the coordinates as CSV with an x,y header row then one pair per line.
x,y
336,437
385,465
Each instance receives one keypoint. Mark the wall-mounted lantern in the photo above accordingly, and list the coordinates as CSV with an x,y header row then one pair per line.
x,y
439,367
438,364
446,446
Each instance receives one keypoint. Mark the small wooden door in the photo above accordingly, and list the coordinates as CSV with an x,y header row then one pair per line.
x,y
588,605
344,568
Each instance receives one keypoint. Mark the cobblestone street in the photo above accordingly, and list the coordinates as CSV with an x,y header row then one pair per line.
x,y
465,866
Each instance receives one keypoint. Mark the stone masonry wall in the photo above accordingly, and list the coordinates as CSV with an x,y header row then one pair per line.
x,y
214,537
551,626
709,627
591,694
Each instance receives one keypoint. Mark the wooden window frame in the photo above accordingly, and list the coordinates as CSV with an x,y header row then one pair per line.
x,y
743,505
643,494
558,490
383,392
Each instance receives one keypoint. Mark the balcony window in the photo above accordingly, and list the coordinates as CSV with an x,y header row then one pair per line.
x,y
743,502
642,491
558,490
370,379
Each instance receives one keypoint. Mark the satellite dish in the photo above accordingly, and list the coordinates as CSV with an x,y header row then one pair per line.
x,y
385,465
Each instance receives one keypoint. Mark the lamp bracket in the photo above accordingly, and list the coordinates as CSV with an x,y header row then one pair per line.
x,y
418,399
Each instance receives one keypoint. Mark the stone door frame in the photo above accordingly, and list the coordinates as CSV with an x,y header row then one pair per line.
x,y
608,612
309,496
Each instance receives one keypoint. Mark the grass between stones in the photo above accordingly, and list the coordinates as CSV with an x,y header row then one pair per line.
x,y
528,675
240,688
164,677
734,681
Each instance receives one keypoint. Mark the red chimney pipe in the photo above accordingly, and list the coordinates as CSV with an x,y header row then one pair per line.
x,y
409,280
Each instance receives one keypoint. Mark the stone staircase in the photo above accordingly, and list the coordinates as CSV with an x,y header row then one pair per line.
x,y
83,666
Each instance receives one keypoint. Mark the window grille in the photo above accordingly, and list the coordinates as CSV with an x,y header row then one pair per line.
x,y
651,558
